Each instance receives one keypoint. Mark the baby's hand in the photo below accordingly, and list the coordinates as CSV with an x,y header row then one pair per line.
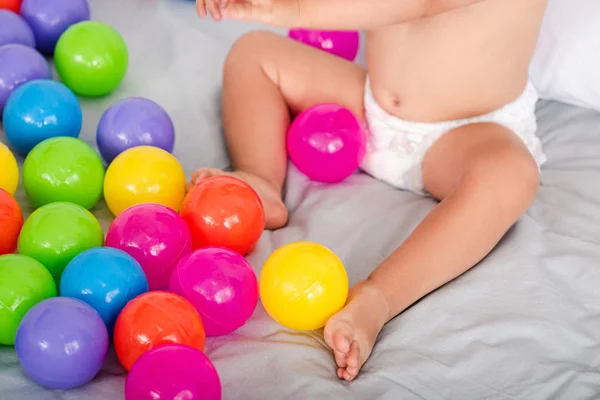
x,y
214,8
282,13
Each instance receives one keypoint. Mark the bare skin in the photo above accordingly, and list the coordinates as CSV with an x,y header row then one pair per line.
x,y
428,61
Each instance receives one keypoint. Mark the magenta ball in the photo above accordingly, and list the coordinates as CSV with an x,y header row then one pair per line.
x,y
173,371
220,284
156,236
326,142
340,43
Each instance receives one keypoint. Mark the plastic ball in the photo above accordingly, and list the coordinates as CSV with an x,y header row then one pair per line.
x,y
153,319
19,64
223,211
134,122
11,222
326,142
55,233
49,19
302,285
63,169
144,174
340,43
106,279
9,170
220,284
91,58
24,283
173,371
156,236
12,5
40,110
61,343
14,29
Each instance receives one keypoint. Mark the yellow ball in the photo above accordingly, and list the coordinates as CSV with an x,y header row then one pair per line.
x,y
9,170
302,285
144,174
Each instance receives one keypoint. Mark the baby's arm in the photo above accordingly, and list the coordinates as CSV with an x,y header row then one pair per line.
x,y
338,14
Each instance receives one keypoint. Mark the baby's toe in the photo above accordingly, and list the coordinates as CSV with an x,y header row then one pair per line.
x,y
340,358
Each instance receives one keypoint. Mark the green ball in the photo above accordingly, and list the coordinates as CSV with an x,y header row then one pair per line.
x,y
91,58
55,233
24,282
63,169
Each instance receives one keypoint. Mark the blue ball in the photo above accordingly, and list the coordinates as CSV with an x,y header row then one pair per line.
x,y
106,279
38,110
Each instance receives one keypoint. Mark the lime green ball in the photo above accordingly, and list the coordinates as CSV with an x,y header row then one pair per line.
x,y
24,282
63,169
55,233
91,58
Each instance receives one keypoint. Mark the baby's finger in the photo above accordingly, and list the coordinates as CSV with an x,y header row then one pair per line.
x,y
214,10
243,11
201,8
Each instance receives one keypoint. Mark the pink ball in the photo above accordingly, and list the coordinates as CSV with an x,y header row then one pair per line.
x,y
220,284
326,142
340,43
156,236
173,371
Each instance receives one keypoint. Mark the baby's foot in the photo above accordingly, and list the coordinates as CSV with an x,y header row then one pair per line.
x,y
351,333
276,213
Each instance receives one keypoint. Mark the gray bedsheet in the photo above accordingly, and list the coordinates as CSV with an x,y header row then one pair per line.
x,y
523,324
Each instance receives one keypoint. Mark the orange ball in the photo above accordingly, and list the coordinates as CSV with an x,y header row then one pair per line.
x,y
11,222
12,5
223,211
153,319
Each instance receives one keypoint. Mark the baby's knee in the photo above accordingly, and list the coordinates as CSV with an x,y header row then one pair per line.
x,y
250,46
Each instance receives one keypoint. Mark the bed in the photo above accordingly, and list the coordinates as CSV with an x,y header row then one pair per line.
x,y
524,324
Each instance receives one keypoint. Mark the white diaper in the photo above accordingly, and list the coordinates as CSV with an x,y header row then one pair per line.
x,y
396,148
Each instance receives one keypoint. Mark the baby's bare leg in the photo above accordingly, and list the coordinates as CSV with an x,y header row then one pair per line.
x,y
486,179
267,77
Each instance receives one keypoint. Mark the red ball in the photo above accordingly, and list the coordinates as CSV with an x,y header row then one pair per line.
x,y
12,5
223,211
11,222
153,319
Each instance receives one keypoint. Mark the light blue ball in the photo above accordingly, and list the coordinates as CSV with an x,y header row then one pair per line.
x,y
106,279
38,110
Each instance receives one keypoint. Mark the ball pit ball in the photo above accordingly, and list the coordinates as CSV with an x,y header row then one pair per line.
x,y
14,29
61,343
49,19
12,5
24,283
153,319
220,284
223,211
302,285
134,122
19,64
55,233
144,174
340,43
106,279
63,169
9,170
91,58
156,236
326,142
11,222
173,372
40,110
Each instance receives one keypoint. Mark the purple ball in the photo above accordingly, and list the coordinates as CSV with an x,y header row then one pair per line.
x,y
134,122
326,142
340,43
19,64
173,371
61,343
50,18
14,29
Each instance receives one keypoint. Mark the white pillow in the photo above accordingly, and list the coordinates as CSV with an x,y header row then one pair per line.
x,y
566,63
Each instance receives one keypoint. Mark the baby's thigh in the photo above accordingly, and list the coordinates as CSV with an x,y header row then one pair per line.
x,y
305,76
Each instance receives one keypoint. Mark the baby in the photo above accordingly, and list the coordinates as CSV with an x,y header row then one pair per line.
x,y
450,113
